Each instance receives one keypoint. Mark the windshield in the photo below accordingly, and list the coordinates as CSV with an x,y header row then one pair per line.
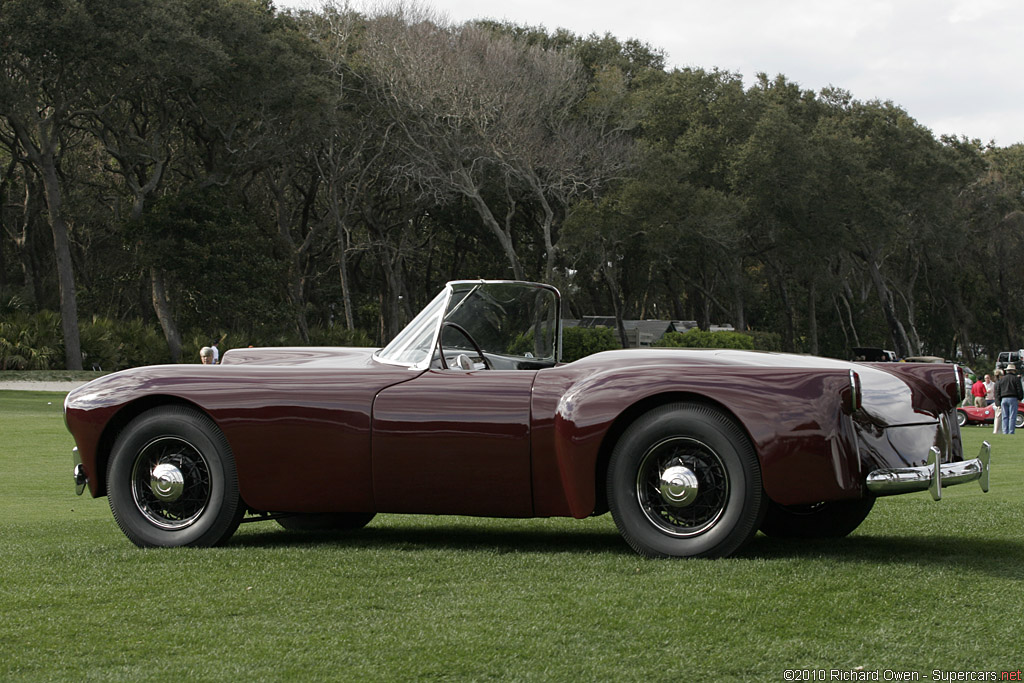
x,y
509,320
413,344
504,318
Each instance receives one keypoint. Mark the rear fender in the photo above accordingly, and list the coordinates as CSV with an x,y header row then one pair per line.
x,y
936,388
798,422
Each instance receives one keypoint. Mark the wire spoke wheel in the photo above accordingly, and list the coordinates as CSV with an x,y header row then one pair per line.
x,y
708,490
171,483
684,481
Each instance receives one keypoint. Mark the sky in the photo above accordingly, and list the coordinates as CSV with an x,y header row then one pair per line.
x,y
956,66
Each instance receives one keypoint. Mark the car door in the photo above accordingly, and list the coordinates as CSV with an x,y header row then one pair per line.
x,y
454,442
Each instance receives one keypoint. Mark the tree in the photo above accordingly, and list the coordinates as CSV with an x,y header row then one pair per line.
x,y
775,169
492,120
47,75
679,199
983,248
888,184
152,68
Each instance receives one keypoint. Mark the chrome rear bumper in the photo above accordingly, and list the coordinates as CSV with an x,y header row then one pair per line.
x,y
933,476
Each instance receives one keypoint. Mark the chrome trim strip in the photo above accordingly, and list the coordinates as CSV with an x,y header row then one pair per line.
x,y
933,476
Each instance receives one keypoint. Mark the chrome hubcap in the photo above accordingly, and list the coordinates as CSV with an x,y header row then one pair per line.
x,y
167,482
679,486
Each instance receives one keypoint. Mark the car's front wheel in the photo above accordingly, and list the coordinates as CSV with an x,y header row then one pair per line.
x,y
171,480
961,418
684,481
833,519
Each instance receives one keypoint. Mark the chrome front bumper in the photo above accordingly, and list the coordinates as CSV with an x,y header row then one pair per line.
x,y
78,472
933,476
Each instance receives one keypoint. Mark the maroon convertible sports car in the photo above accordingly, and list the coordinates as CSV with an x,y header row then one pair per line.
x,y
468,411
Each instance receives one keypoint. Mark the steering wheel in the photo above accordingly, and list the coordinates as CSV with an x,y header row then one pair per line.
x,y
465,333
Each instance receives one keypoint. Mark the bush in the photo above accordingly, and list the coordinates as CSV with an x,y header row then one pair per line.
x,y
579,342
36,342
766,341
699,339
115,345
338,336
31,342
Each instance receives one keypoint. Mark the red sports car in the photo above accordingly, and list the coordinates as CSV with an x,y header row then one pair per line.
x,y
468,411
969,415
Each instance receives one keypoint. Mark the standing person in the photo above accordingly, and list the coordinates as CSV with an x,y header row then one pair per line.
x,y
1010,393
990,390
216,351
997,422
978,391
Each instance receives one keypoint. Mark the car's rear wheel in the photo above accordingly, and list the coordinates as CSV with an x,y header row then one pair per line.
x,y
326,521
1019,421
833,519
172,481
961,418
684,481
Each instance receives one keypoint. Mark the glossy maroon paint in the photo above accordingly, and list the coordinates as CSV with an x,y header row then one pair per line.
x,y
455,442
332,429
794,418
300,432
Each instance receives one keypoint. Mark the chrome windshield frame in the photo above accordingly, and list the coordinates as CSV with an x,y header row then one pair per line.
x,y
446,294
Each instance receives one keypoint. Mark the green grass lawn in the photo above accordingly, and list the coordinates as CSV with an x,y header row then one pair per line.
x,y
919,587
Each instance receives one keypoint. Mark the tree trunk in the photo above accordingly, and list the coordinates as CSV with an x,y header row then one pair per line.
x,y
162,306
65,269
26,245
896,330
842,323
846,296
296,280
547,225
787,305
613,289
812,317
398,312
5,184
789,332
504,238
733,272
346,292
43,157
